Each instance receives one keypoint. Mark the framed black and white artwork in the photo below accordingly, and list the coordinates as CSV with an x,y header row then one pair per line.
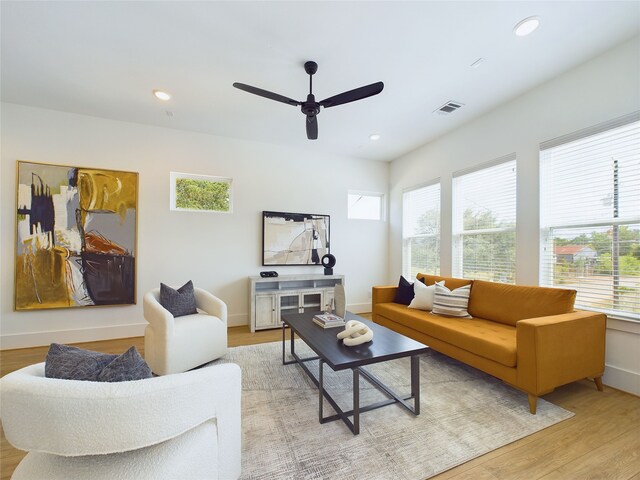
x,y
294,238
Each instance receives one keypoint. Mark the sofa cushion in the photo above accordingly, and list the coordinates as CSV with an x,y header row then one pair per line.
x,y
404,292
424,295
491,340
451,283
179,302
73,363
128,366
451,303
509,303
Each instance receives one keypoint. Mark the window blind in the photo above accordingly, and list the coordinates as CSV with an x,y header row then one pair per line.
x,y
484,222
590,216
421,231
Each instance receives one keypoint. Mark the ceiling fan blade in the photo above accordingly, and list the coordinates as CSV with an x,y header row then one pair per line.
x,y
353,95
266,94
312,128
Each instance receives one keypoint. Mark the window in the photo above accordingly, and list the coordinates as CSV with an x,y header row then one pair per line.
x,y
421,231
590,216
365,206
200,193
484,222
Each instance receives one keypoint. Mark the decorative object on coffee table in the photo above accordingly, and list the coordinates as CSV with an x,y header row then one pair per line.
x,y
340,299
355,333
328,320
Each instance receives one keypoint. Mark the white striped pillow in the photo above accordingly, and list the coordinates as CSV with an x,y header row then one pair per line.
x,y
452,303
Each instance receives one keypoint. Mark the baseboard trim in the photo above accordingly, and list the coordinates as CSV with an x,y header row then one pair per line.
x,y
38,339
359,307
622,379
237,320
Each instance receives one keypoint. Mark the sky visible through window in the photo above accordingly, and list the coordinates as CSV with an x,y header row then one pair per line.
x,y
365,206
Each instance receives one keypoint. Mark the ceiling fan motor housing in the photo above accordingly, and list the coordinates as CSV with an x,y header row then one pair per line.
x,y
310,108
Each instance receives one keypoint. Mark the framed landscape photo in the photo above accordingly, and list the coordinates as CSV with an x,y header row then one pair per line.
x,y
76,236
294,238
200,193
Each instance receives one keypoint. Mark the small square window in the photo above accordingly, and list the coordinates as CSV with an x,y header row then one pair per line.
x,y
200,193
365,206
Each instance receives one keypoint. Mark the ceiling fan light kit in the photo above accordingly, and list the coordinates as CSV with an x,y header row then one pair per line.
x,y
310,108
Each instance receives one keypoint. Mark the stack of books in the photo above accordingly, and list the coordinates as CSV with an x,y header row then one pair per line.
x,y
329,320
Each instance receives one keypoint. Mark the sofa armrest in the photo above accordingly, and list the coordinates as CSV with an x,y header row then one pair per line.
x,y
383,294
559,349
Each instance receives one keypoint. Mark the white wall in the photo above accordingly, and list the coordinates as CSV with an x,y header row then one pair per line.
x,y
216,251
603,88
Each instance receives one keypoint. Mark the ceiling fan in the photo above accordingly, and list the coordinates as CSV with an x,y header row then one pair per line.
x,y
310,107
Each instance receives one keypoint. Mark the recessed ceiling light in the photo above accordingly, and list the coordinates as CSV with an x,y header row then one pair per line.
x,y
374,136
526,26
159,94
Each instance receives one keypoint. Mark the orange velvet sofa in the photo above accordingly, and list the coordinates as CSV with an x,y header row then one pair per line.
x,y
529,337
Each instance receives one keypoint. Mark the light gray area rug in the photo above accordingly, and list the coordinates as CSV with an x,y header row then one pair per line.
x,y
464,414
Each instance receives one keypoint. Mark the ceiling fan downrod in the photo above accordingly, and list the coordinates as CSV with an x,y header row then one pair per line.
x,y
310,108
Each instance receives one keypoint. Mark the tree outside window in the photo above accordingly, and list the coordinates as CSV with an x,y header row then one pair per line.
x,y
421,231
484,222
200,193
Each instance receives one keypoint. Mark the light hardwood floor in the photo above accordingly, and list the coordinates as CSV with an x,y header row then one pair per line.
x,y
602,441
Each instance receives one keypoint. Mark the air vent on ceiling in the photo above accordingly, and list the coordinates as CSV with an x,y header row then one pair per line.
x,y
448,107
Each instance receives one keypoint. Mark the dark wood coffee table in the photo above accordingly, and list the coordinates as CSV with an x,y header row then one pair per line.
x,y
386,345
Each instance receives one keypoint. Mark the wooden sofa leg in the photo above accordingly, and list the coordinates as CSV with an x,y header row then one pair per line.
x,y
533,403
598,381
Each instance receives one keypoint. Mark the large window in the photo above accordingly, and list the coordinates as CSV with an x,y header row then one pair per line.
x,y
421,231
484,222
590,216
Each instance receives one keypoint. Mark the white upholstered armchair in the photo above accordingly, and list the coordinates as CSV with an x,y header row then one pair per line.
x,y
173,345
184,426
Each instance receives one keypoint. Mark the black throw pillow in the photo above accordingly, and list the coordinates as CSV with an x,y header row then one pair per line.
x,y
179,302
404,293
72,363
128,366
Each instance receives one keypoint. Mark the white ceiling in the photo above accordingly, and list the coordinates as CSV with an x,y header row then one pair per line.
x,y
104,58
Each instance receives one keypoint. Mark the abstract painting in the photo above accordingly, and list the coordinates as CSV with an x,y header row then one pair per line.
x,y
294,238
76,236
